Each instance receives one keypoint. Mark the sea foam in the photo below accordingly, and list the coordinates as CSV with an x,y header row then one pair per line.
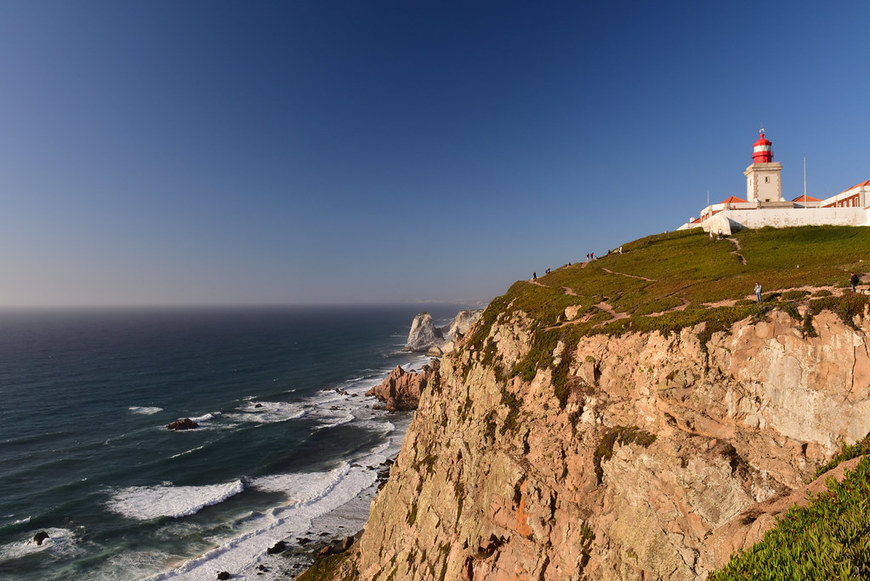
x,y
148,502
302,487
268,412
59,542
145,410
334,489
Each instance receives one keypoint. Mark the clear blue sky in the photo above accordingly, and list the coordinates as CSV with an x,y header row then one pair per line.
x,y
216,152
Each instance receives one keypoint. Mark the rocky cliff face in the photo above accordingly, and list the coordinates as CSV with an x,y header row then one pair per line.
x,y
634,457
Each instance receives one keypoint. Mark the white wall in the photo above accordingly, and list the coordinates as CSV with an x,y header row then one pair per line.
x,y
785,217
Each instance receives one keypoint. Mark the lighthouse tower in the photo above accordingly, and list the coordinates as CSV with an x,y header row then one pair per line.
x,y
763,183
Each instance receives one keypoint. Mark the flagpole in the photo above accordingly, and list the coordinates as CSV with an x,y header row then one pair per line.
x,y
805,177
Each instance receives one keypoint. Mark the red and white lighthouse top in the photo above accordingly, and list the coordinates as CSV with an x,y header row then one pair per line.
x,y
761,150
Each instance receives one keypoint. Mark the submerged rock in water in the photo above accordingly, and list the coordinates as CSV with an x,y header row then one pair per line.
x,y
183,424
40,536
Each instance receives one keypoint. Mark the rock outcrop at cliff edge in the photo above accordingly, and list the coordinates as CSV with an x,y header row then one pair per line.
x,y
424,334
631,464
401,390
425,337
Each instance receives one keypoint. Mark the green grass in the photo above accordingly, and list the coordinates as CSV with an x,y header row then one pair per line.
x,y
687,270
687,267
859,448
829,539
327,569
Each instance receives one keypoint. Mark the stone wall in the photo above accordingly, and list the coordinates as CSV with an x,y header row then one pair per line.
x,y
786,217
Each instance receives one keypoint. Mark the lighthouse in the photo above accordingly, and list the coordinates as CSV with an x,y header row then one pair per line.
x,y
763,184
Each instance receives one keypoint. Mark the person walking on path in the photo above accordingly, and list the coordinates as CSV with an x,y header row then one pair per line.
x,y
854,280
758,292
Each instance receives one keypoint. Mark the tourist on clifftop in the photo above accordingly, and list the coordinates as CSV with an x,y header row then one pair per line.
x,y
758,292
854,280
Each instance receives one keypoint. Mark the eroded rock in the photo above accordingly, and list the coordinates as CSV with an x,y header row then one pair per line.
x,y
182,424
425,337
401,390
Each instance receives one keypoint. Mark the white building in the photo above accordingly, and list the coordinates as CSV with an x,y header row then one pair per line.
x,y
765,206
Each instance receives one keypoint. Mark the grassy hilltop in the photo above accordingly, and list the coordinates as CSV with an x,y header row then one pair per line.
x,y
675,280
671,281
688,272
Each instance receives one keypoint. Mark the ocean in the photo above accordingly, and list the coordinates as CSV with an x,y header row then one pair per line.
x,y
288,445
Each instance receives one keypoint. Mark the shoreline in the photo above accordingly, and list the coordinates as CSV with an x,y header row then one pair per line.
x,y
342,511
325,530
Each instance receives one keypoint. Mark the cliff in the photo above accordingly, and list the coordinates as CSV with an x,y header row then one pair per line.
x,y
582,431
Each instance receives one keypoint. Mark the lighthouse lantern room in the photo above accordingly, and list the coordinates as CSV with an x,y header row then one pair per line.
x,y
763,184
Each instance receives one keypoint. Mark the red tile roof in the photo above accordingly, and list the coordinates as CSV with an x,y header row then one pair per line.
x,y
806,198
867,183
733,200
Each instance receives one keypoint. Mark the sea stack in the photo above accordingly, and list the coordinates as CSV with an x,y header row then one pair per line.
x,y
425,337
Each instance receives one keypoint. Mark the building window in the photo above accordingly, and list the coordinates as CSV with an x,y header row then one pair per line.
x,y
766,180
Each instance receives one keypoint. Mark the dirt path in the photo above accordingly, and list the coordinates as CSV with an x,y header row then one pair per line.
x,y
811,289
737,249
628,275
681,307
604,306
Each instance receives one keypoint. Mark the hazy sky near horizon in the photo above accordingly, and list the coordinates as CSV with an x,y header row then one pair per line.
x,y
215,152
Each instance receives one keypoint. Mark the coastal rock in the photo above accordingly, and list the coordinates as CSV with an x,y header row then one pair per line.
x,y
652,456
346,543
278,547
222,575
183,424
39,537
462,323
424,334
425,337
401,390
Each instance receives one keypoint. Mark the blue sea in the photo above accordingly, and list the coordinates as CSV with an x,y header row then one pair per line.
x,y
288,445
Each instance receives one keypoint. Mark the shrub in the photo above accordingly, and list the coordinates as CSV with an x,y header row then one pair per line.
x,y
794,295
329,568
859,448
829,539
513,403
604,451
847,306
